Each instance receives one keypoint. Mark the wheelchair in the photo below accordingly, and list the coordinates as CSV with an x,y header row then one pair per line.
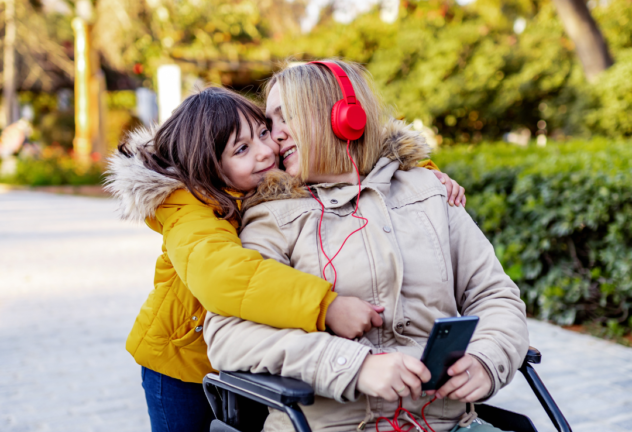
x,y
240,401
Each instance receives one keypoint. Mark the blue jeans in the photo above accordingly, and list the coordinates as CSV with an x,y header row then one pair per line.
x,y
174,405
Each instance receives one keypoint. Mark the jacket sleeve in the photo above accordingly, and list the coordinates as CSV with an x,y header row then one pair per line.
x,y
428,164
230,280
329,363
483,289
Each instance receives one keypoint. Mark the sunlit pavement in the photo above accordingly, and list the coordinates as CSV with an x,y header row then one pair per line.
x,y
73,277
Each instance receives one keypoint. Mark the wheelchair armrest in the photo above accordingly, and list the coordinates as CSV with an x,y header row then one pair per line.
x,y
533,356
280,389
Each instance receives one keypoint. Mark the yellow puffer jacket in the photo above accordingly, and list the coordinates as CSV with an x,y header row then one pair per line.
x,y
203,267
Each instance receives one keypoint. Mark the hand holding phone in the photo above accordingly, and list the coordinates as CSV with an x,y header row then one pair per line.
x,y
447,343
469,381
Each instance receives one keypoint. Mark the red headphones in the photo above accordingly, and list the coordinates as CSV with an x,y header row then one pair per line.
x,y
348,118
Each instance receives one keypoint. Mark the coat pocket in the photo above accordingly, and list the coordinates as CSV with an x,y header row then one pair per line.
x,y
190,337
432,233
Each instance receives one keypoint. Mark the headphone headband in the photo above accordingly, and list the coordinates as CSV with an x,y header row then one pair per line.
x,y
343,81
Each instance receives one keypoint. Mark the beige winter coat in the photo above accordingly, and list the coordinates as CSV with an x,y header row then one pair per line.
x,y
418,257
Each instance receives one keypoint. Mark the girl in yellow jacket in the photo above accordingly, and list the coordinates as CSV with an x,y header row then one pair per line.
x,y
185,180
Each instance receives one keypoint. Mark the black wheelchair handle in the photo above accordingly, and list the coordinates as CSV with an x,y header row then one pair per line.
x,y
533,356
543,395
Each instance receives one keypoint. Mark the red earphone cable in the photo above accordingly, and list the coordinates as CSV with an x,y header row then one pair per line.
x,y
401,428
320,223
395,422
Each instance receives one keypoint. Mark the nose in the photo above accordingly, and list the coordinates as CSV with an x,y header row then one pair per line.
x,y
264,152
278,133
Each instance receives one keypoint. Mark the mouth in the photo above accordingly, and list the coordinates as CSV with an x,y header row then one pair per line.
x,y
287,152
267,169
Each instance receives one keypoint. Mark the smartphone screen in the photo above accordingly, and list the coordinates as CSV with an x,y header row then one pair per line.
x,y
447,343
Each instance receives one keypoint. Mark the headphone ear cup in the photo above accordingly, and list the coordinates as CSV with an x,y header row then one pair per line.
x,y
348,121
336,120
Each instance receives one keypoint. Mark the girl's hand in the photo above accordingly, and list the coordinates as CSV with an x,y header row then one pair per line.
x,y
350,317
466,388
456,193
391,376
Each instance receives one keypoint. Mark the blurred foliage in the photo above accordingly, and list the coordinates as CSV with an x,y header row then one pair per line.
x,y
463,69
216,40
55,166
560,219
51,123
611,110
120,117
460,69
43,47
55,126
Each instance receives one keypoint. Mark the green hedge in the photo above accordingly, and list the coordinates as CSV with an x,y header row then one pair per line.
x,y
55,167
560,218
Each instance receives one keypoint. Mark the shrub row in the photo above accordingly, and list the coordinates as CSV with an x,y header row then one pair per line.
x,y
54,167
560,218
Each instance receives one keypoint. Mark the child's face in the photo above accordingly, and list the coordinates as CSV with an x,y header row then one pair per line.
x,y
247,158
281,133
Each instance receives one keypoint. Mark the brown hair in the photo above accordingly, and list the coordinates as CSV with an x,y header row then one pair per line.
x,y
188,147
308,92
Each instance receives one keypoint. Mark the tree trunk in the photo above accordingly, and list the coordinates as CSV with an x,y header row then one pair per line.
x,y
589,42
8,74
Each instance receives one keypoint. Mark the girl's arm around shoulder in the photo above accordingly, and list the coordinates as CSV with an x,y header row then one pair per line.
x,y
272,229
483,289
328,363
230,280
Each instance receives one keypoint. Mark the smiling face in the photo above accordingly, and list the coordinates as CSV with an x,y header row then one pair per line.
x,y
298,108
247,157
281,135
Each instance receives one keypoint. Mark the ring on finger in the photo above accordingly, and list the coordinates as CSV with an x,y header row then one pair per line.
x,y
400,390
468,374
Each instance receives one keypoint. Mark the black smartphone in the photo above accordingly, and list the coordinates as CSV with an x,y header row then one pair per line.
x,y
447,343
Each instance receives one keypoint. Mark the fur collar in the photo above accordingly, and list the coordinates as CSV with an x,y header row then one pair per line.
x,y
399,143
139,190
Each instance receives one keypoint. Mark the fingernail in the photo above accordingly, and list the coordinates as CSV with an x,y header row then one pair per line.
x,y
452,203
443,181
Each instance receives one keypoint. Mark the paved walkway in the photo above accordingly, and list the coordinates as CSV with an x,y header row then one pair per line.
x,y
72,278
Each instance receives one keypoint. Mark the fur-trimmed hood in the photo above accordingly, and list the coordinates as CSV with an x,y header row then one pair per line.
x,y
399,143
139,189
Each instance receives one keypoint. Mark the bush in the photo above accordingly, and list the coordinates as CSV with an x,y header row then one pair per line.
x,y
612,112
560,218
464,71
54,167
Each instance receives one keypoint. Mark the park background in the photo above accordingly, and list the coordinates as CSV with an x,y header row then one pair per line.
x,y
527,104
531,113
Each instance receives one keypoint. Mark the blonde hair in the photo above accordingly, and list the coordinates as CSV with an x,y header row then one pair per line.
x,y
308,92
